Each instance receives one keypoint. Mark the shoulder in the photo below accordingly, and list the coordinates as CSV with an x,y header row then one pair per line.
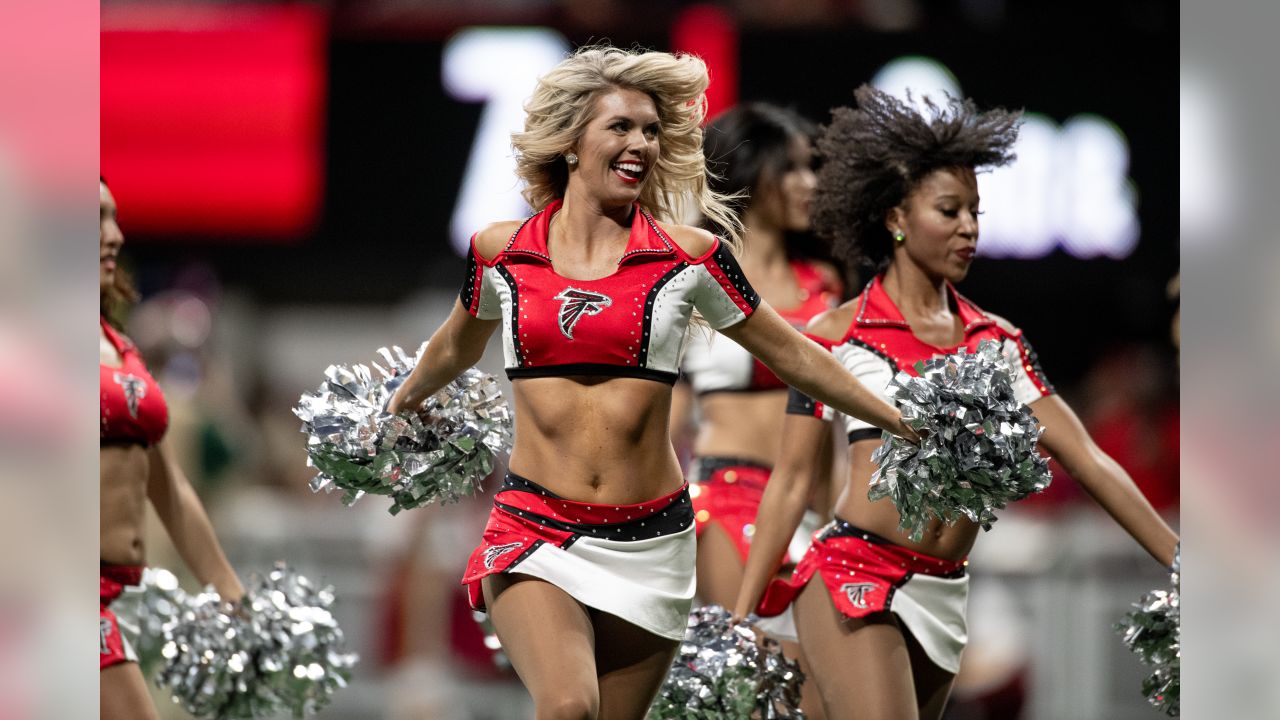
x,y
694,241
494,238
828,275
832,324
1003,323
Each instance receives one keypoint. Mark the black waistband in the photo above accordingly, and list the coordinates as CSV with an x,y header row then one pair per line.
x,y
593,370
513,481
840,527
704,467
667,520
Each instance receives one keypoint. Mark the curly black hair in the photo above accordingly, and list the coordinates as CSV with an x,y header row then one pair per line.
x,y
874,155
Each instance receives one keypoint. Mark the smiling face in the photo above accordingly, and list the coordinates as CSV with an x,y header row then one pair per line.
x,y
618,147
110,239
940,221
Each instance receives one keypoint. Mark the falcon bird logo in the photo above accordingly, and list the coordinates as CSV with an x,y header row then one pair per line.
x,y
576,303
134,390
857,593
492,554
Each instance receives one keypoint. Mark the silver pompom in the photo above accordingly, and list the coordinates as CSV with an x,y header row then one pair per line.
x,y
979,448
440,453
722,672
146,610
280,649
1153,631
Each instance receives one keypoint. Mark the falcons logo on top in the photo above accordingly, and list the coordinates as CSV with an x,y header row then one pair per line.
x,y
134,390
576,303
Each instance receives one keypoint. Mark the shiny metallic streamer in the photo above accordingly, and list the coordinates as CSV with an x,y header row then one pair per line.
x,y
1153,631
145,610
722,672
440,453
979,448
279,649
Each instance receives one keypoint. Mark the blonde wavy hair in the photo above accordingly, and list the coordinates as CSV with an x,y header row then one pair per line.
x,y
564,101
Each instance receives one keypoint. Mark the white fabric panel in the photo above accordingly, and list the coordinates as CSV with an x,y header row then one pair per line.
x,y
649,583
933,608
717,363
495,294
672,308
713,302
871,370
1025,389
492,287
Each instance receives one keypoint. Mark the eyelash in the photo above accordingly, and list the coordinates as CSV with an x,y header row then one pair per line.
x,y
621,126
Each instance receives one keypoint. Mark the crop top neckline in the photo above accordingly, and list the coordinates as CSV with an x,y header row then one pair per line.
x,y
530,239
876,308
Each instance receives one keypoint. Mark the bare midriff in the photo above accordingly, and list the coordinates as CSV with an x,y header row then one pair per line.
x,y
881,517
595,439
741,425
123,497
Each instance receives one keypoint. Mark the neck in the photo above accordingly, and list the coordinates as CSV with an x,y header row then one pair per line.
x,y
764,243
914,291
585,224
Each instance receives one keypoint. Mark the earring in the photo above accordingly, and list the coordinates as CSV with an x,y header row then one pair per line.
x,y
571,158
898,237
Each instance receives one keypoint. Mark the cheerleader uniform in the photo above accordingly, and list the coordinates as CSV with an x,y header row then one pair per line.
x,y
864,572
131,411
632,561
727,491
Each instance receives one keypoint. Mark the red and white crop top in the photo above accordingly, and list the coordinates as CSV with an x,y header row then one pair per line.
x,y
132,408
629,324
717,364
880,343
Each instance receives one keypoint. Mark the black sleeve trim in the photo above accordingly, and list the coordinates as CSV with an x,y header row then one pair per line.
x,y
800,404
723,257
865,434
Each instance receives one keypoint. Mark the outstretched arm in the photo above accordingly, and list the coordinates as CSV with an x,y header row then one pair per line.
x,y
782,507
807,367
187,523
1102,477
457,345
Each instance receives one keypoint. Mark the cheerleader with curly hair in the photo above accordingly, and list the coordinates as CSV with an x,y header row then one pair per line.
x,y
884,625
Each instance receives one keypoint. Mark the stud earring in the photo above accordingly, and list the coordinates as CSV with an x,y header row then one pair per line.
x,y
571,158
898,237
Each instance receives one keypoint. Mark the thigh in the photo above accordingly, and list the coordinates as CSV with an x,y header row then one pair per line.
x,y
549,639
122,694
719,567
632,663
862,666
810,700
933,684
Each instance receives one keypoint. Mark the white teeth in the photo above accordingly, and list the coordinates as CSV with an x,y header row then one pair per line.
x,y
630,166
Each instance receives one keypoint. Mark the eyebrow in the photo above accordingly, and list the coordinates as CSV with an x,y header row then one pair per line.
x,y
655,121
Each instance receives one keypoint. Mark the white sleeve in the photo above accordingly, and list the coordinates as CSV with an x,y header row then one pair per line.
x,y
723,297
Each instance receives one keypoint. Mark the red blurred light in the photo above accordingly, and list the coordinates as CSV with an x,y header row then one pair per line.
x,y
710,33
212,117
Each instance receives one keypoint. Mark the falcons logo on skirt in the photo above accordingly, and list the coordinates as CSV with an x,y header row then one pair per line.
x,y
492,554
576,303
